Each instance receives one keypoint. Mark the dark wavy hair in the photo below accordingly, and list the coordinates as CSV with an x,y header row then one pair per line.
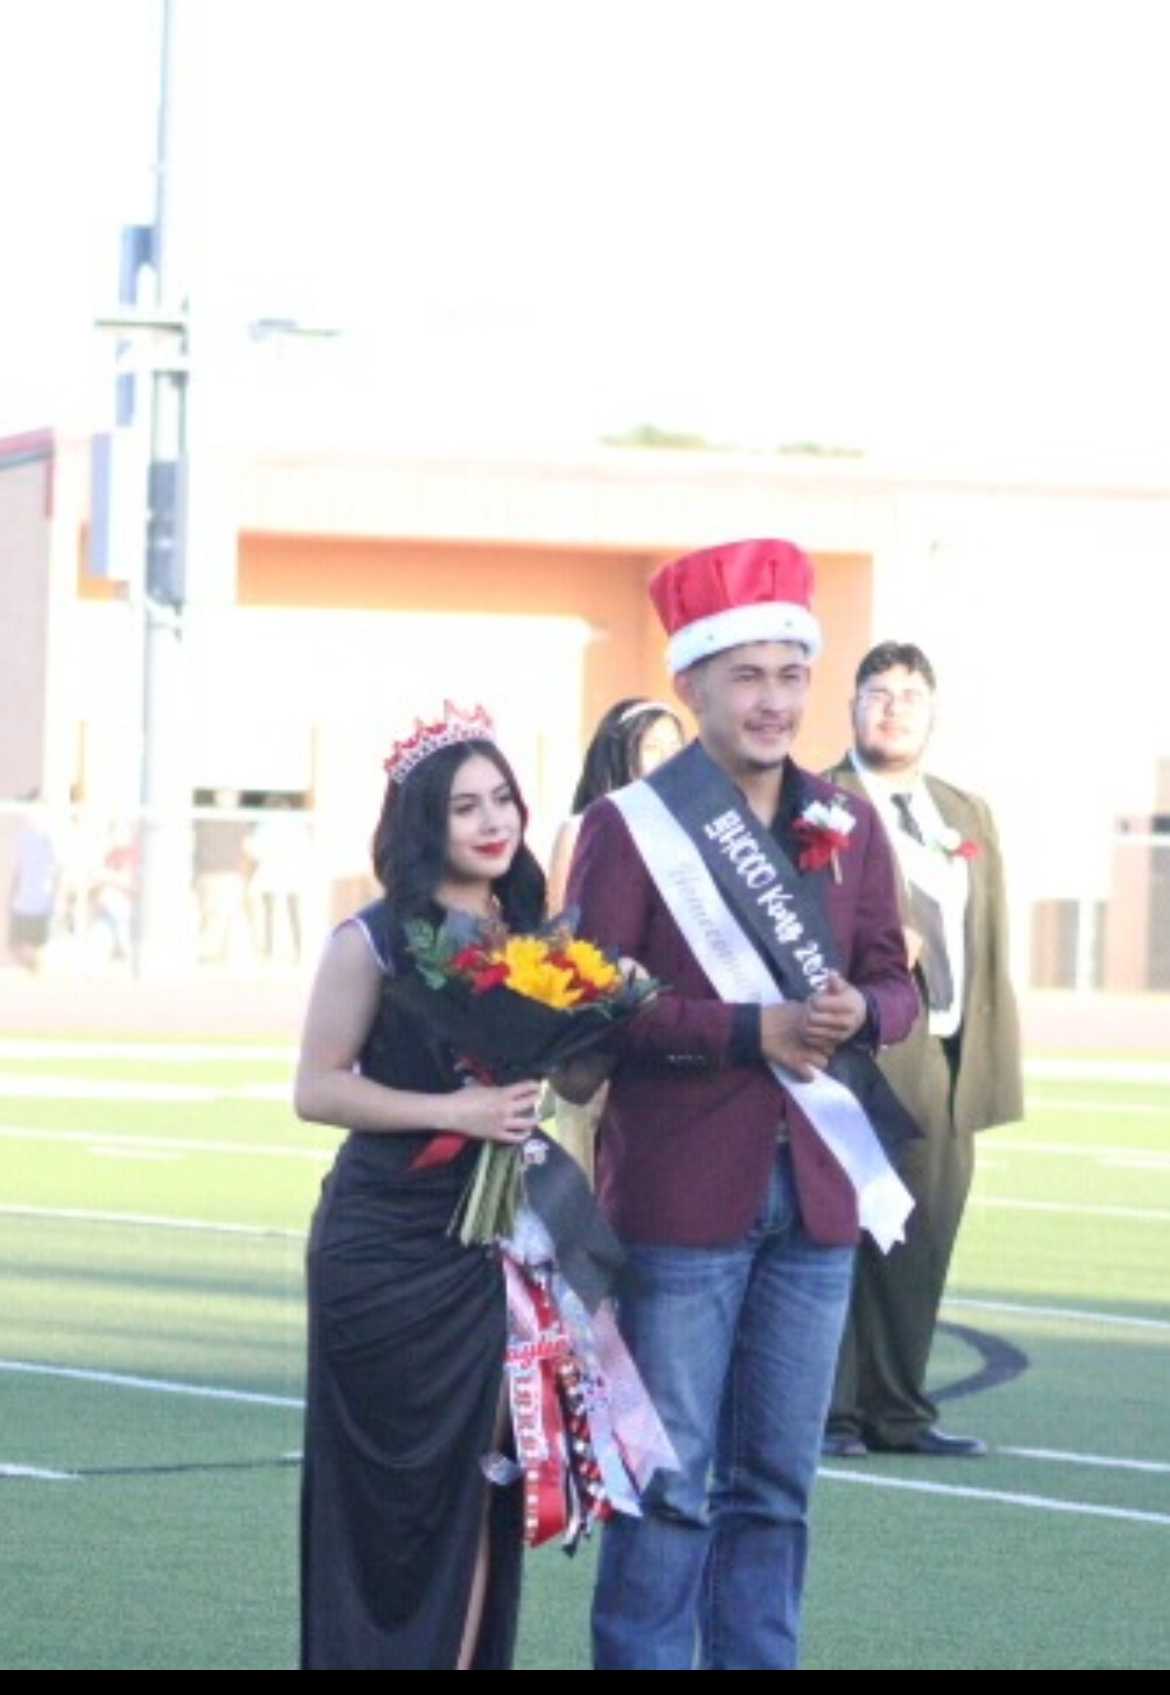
x,y
409,844
611,759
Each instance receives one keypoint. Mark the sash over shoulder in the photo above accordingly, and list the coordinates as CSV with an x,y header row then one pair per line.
x,y
741,907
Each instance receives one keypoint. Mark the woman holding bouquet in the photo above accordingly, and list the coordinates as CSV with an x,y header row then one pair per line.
x,y
410,1556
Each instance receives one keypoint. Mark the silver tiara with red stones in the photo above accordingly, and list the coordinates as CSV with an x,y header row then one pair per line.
x,y
454,727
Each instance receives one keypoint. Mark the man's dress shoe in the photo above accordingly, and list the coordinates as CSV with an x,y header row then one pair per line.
x,y
843,1445
936,1444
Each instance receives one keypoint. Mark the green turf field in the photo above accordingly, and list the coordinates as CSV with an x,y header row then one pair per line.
x,y
152,1215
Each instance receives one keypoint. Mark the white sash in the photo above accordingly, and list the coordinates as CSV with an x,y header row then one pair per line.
x,y
740,975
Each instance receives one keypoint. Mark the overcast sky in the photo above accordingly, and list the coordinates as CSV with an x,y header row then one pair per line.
x,y
926,229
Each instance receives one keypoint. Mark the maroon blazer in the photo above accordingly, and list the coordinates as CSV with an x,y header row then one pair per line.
x,y
688,1135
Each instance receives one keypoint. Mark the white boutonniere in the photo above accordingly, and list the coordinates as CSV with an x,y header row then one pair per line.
x,y
823,831
955,845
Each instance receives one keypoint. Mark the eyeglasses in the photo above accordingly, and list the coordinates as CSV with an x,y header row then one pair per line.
x,y
890,700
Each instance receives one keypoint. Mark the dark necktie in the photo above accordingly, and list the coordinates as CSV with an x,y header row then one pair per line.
x,y
926,917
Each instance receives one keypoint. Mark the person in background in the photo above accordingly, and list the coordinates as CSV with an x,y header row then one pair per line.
x,y
112,894
221,868
770,917
280,849
36,881
632,738
410,1557
960,1070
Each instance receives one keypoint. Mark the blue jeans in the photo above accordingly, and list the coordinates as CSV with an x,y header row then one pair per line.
x,y
737,1346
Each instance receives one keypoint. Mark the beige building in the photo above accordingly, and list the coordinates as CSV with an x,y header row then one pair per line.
x,y
331,596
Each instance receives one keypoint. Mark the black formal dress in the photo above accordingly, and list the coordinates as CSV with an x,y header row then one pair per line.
x,y
407,1336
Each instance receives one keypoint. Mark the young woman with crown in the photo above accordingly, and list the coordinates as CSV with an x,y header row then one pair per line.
x,y
410,1557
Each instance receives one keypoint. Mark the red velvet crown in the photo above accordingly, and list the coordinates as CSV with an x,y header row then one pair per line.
x,y
743,591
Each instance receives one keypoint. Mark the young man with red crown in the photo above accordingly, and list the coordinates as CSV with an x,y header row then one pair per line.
x,y
746,1135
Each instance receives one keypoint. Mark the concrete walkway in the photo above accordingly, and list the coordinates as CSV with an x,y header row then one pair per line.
x,y
269,1005
266,1006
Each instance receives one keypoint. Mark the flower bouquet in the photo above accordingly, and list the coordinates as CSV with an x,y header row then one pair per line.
x,y
514,1006
511,1006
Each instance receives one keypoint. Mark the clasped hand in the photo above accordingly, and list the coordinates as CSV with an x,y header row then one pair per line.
x,y
802,1036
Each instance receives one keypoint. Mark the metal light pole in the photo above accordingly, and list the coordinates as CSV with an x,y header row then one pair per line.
x,y
163,934
177,555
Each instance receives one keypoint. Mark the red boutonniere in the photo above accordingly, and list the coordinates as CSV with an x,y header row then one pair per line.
x,y
956,846
823,832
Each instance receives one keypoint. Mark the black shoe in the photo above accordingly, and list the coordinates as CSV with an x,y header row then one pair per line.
x,y
936,1444
843,1445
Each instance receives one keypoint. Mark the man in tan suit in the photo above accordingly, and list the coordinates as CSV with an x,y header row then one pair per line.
x,y
959,1071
